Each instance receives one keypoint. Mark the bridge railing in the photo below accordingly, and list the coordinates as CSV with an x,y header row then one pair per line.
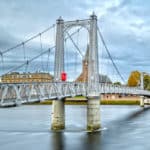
x,y
121,89
11,94
31,92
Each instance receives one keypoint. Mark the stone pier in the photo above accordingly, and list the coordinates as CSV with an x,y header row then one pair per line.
x,y
93,114
142,101
58,115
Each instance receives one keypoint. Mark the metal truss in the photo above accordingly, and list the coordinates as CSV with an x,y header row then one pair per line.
x,y
15,94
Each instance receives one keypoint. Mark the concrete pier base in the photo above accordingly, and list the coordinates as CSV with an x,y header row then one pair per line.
x,y
142,101
93,114
58,115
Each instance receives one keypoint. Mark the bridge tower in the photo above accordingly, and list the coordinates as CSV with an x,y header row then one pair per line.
x,y
142,88
142,80
58,112
93,96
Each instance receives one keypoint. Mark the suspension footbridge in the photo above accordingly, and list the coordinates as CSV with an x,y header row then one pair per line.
x,y
57,90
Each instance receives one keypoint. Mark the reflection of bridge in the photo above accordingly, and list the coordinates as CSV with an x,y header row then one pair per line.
x,y
18,93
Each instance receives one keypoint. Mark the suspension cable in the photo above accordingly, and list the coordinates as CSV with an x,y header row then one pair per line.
x,y
29,61
75,45
26,65
76,56
2,59
41,47
48,60
66,56
107,50
26,41
24,52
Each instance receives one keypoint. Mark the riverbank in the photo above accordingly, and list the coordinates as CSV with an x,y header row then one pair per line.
x,y
84,102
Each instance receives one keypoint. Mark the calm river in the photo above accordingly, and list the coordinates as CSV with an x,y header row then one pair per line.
x,y
28,128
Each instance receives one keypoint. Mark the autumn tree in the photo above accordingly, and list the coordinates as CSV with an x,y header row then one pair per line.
x,y
134,78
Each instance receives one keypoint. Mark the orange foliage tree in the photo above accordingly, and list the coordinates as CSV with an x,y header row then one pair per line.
x,y
134,78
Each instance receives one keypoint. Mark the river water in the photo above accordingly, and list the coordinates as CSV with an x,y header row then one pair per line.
x,y
28,128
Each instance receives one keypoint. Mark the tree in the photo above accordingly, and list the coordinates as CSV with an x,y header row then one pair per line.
x,y
117,83
134,78
147,82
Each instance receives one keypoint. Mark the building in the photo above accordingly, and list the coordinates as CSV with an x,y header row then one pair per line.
x,y
83,77
16,77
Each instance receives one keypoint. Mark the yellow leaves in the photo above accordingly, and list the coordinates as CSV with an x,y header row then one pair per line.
x,y
134,79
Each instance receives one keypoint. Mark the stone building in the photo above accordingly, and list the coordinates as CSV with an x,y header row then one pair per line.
x,y
16,77
83,77
103,79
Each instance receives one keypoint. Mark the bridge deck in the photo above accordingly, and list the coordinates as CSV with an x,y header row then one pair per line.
x,y
12,94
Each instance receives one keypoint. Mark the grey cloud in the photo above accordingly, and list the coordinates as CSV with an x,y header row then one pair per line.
x,y
128,47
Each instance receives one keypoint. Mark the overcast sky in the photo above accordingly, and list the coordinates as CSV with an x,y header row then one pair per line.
x,y
125,25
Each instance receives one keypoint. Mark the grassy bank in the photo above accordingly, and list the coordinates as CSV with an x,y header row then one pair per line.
x,y
120,102
84,102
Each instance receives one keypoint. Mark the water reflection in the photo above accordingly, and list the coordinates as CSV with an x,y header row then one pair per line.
x,y
58,141
26,127
137,113
92,141
78,141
